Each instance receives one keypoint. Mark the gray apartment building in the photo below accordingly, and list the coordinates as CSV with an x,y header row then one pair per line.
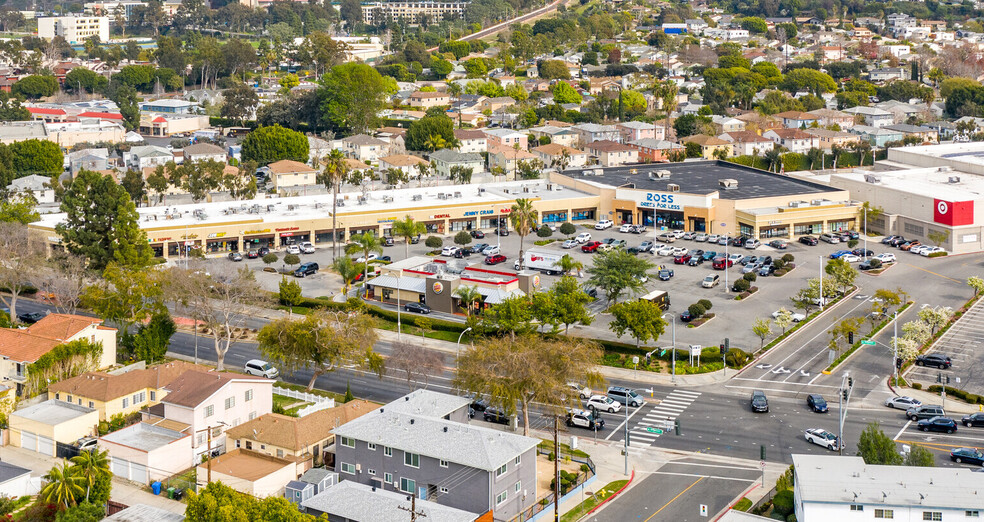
x,y
422,444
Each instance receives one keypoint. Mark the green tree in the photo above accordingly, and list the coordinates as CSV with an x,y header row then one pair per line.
x,y
522,217
290,294
569,301
433,242
239,102
554,70
152,340
563,93
336,170
876,448
408,228
352,95
101,223
842,272
127,296
126,99
35,86
938,237
977,284
11,108
754,24
347,270
90,466
640,318
19,210
462,238
422,133
86,80
616,271
567,228
810,80
61,486
84,512
568,265
292,259
266,145
351,13
783,319
40,157
322,342
365,244
512,315
219,503
469,297
762,329
919,456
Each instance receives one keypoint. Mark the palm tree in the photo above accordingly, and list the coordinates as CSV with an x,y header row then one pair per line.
x,y
469,295
408,228
335,172
91,466
568,264
62,486
348,271
365,244
435,142
774,158
836,150
668,94
814,155
522,217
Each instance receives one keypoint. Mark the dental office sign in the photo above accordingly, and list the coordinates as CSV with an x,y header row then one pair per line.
x,y
662,200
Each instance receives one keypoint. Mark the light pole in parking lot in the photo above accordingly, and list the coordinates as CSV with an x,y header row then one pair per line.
x,y
727,260
399,329
865,256
820,297
673,354
457,353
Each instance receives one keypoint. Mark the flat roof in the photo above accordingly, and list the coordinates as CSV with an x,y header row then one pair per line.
x,y
429,403
703,177
143,436
247,465
9,472
935,182
52,412
350,500
144,513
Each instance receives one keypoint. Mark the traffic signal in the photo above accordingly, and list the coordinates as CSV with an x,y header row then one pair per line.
x,y
724,350
939,377
850,382
727,344
948,379
762,452
844,394
850,337
676,426
898,362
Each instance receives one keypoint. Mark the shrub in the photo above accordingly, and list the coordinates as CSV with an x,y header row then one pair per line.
x,y
292,259
544,231
874,263
788,258
778,263
696,310
782,503
851,243
434,242
462,238
937,254
741,285
270,258
737,358
750,277
917,386
568,229
779,273
706,303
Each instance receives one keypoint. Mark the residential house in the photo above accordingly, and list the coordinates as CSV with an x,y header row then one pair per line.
x,y
364,148
302,440
204,152
424,440
37,185
410,165
120,392
709,145
640,130
249,472
560,135
861,33
88,159
922,133
506,138
591,132
794,140
829,487
873,116
828,139
444,159
15,481
877,136
726,124
796,119
827,117
471,140
354,502
509,159
759,123
561,157
426,100
945,129
612,154
747,143
887,74
290,173
312,482
655,151
143,156
145,453
198,402
42,426
901,111
161,124
833,53
23,346
495,104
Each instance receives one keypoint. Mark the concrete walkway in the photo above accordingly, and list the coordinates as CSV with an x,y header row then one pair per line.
x,y
124,492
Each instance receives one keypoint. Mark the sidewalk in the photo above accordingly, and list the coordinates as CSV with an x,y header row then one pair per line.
x,y
951,404
124,491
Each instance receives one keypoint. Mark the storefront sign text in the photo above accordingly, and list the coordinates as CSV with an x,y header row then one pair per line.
x,y
190,236
250,232
479,213
387,220
162,239
440,216
660,201
288,228
505,210
218,234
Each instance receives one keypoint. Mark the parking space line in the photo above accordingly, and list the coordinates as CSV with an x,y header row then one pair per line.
x,y
934,273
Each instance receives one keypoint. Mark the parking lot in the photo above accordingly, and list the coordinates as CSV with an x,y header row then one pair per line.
x,y
962,343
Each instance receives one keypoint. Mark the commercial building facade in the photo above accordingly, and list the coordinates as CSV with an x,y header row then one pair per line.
x,y
74,29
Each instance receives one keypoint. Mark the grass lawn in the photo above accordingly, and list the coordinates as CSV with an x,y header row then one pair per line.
x,y
339,397
581,509
290,406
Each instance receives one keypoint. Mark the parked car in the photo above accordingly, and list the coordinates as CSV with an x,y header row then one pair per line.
x,y
926,411
502,231
721,263
590,246
495,259
448,250
682,259
709,255
30,317
261,369
759,402
897,241
263,251
695,260
646,246
926,252
686,316
582,391
938,360
293,249
306,269
583,237
477,249
461,253
918,249
667,237
665,274
417,308
861,252
679,251
902,403
700,237
974,419
939,423
307,247
839,254
752,244
888,239
885,258
665,251
371,257
570,243
829,238
603,224
585,419
626,227
808,240
388,241
822,437
909,245
602,403
478,234
710,281
689,236
735,258
779,244
625,396
638,229
816,402
967,456
235,256
496,415
795,316
766,270
851,258
490,250
252,254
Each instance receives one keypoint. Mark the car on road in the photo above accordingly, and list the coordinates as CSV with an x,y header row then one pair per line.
x,y
821,437
478,234
570,243
477,249
306,269
495,259
293,249
902,403
816,402
260,369
759,402
447,251
974,419
582,391
625,396
664,274
490,250
808,240
695,260
885,258
752,244
235,256
585,419
967,456
938,360
700,237
926,252
583,237
602,403
252,254
496,415
796,317
926,411
779,244
590,246
938,423
839,254
30,317
417,308
711,281
603,224
682,259
307,247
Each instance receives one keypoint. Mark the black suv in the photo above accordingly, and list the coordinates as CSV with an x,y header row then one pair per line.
x,y
30,317
809,240
934,359
417,308
306,269
760,404
492,414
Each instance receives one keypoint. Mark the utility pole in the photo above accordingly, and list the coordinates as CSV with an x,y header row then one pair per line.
x,y
556,473
413,509
208,451
844,397
626,440
821,283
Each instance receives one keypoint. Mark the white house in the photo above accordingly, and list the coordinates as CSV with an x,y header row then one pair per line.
x,y
38,186
795,140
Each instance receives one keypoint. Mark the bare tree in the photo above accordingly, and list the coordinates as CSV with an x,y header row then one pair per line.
x,y
64,281
22,253
220,299
415,362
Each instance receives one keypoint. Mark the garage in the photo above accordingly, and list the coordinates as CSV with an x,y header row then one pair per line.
x,y
42,426
46,446
29,441
138,473
144,453
121,468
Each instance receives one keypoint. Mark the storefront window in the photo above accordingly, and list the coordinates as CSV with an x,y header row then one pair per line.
x,y
223,245
840,226
780,231
457,226
581,215
625,216
807,229
554,217
745,230
258,242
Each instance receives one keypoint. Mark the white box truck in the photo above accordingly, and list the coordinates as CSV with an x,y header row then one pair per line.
x,y
546,262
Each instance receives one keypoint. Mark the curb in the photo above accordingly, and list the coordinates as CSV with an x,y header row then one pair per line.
x,y
870,338
613,495
733,504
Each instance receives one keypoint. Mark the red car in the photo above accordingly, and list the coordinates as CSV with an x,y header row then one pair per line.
x,y
720,263
682,260
590,246
495,260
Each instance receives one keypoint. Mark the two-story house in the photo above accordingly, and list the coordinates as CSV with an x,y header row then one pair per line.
x,y
204,152
509,159
21,347
726,124
612,154
471,140
197,402
796,119
426,100
365,148
709,145
120,393
289,173
560,157
640,130
143,156
873,116
795,140
655,151
747,143
559,135
828,139
444,159
409,164
827,117
506,138
36,185
591,132
414,444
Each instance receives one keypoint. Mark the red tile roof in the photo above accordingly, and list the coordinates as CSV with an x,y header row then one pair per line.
x,y
30,344
42,110
104,115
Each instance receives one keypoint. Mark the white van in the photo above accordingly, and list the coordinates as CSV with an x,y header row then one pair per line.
x,y
261,368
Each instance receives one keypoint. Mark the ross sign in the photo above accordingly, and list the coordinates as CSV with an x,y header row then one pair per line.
x,y
662,200
953,213
438,287
868,343
703,510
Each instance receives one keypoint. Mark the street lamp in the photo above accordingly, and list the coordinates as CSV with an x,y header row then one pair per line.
x,y
865,237
727,258
820,297
457,352
673,355
399,329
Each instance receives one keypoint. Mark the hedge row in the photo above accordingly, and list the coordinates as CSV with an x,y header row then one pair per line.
x,y
968,397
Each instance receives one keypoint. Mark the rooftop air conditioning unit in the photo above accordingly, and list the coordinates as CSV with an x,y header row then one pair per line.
x,y
954,179
457,194
481,190
728,184
945,168
662,173
673,187
362,200
340,203
505,190
526,189
872,178
388,199
794,204
816,202
417,197
441,195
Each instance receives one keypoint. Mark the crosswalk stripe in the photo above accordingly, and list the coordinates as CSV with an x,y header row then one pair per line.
x,y
684,392
670,407
675,403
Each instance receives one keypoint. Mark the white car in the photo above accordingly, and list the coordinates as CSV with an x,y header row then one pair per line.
x,y
570,243
372,257
603,224
449,250
307,247
679,251
822,437
796,317
885,258
919,249
626,227
700,237
582,391
902,403
851,258
293,249
678,233
602,403
931,250
583,238
735,258
665,251
713,238
490,250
